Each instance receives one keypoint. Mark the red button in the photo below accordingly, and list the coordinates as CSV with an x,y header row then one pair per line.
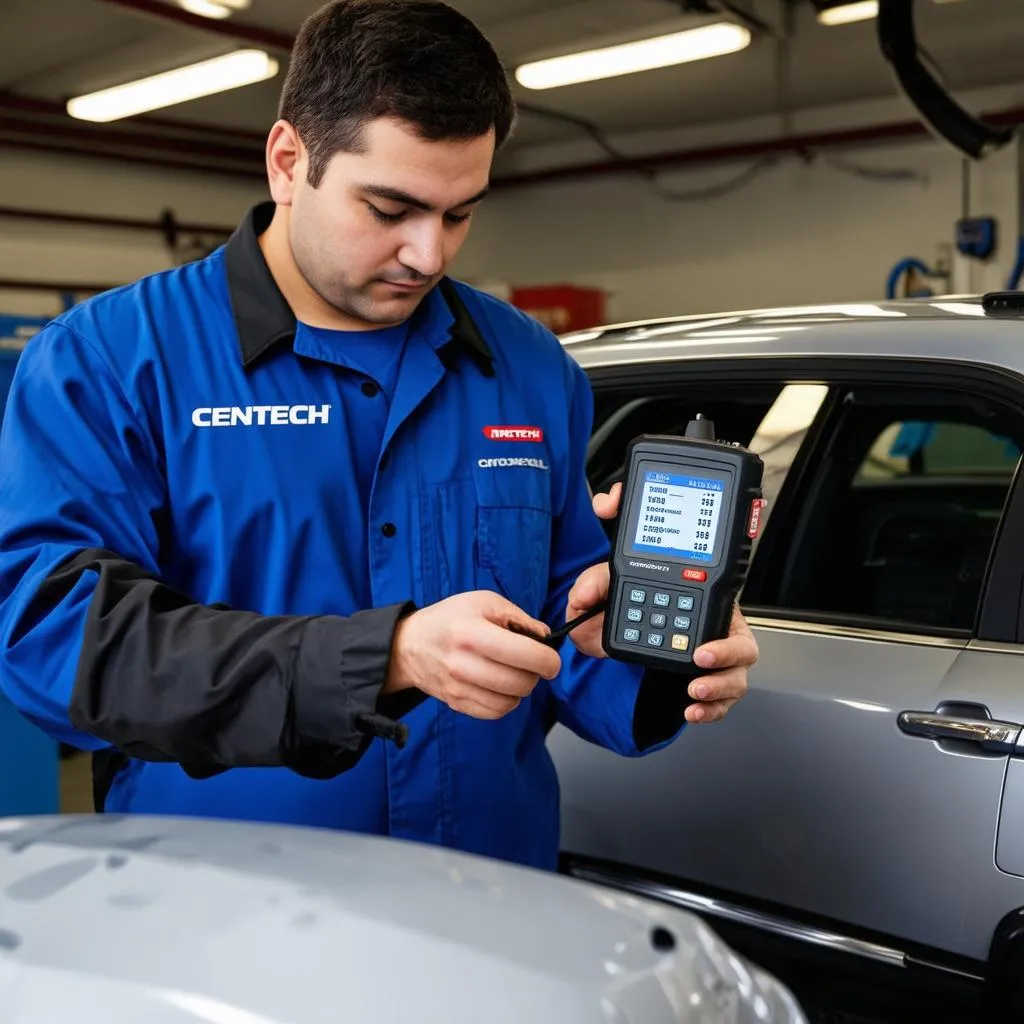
x,y
755,516
697,575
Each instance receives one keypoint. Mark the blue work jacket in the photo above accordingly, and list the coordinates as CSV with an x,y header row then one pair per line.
x,y
195,587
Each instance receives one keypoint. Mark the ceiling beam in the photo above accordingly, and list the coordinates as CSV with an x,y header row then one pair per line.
x,y
229,29
95,220
783,144
31,105
74,131
136,148
44,143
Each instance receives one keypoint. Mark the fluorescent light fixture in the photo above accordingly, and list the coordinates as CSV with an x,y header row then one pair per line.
x,y
243,67
206,8
838,13
847,14
628,58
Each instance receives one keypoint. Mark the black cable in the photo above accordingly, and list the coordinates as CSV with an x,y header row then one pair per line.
x,y
556,636
649,174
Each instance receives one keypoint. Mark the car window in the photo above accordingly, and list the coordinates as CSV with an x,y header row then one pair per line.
x,y
919,448
897,521
771,418
736,412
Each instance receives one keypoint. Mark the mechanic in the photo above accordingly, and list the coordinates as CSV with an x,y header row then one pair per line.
x,y
256,509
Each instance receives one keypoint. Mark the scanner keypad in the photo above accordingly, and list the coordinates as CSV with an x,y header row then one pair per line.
x,y
660,617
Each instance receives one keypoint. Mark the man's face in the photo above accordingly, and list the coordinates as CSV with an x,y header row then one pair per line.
x,y
383,225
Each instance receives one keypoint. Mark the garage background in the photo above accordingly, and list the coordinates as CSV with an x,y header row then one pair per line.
x,y
790,172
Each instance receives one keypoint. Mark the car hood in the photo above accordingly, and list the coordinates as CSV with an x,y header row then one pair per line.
x,y
172,920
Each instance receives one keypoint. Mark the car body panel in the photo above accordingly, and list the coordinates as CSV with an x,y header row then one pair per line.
x,y
809,798
173,920
948,331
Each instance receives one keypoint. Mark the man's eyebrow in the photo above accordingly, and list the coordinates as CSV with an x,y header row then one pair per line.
x,y
396,195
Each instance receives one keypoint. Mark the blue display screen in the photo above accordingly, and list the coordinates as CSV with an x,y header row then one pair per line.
x,y
679,515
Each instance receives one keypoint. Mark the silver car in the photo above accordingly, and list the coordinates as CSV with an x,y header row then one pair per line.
x,y
857,822
148,920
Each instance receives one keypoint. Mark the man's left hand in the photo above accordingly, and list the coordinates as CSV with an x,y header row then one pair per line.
x,y
730,658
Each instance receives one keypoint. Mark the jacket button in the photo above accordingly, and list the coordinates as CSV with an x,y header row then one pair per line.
x,y
370,389
389,529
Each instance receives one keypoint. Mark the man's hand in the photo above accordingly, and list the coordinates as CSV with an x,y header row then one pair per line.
x,y
462,652
729,658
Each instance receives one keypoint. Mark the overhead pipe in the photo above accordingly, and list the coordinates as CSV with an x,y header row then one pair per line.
x,y
162,162
897,39
702,156
94,220
53,286
105,136
796,144
31,105
799,144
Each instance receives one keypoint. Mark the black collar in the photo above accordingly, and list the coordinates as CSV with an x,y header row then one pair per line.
x,y
264,319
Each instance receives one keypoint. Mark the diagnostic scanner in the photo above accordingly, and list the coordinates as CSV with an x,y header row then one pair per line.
x,y
689,513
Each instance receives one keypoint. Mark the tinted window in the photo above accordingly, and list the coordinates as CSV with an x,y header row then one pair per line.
x,y
770,418
898,519
737,413
920,448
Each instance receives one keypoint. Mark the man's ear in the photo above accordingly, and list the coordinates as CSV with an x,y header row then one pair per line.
x,y
286,162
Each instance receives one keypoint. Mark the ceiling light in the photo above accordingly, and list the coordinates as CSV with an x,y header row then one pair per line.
x,y
206,8
243,67
847,14
642,55
839,12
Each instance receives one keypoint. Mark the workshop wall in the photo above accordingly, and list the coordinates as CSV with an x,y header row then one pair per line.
x,y
31,250
795,233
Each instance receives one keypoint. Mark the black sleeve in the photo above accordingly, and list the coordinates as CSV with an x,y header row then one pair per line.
x,y
660,710
97,650
165,679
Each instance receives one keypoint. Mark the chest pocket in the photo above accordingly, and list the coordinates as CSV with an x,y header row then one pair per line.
x,y
491,531
513,532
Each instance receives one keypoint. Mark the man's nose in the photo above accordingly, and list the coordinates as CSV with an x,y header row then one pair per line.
x,y
423,250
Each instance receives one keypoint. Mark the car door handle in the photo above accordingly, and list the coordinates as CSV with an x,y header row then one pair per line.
x,y
995,737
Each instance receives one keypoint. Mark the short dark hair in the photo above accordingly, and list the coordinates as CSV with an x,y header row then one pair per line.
x,y
420,61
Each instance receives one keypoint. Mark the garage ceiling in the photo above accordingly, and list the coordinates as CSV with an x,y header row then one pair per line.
x,y
53,49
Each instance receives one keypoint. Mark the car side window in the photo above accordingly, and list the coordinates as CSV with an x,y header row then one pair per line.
x,y
621,415
771,418
930,449
896,524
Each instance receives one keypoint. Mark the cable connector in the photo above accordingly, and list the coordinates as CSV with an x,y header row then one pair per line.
x,y
372,724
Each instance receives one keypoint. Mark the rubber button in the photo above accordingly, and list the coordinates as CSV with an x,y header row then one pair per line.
x,y
389,529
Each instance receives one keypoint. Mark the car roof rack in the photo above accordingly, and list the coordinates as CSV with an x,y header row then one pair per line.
x,y
1010,304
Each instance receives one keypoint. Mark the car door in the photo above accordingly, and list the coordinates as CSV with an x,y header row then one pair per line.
x,y
852,800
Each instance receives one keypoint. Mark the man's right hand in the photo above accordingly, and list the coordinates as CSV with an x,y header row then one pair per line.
x,y
462,652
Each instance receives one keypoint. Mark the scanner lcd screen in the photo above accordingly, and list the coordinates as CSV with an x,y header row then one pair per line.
x,y
678,514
